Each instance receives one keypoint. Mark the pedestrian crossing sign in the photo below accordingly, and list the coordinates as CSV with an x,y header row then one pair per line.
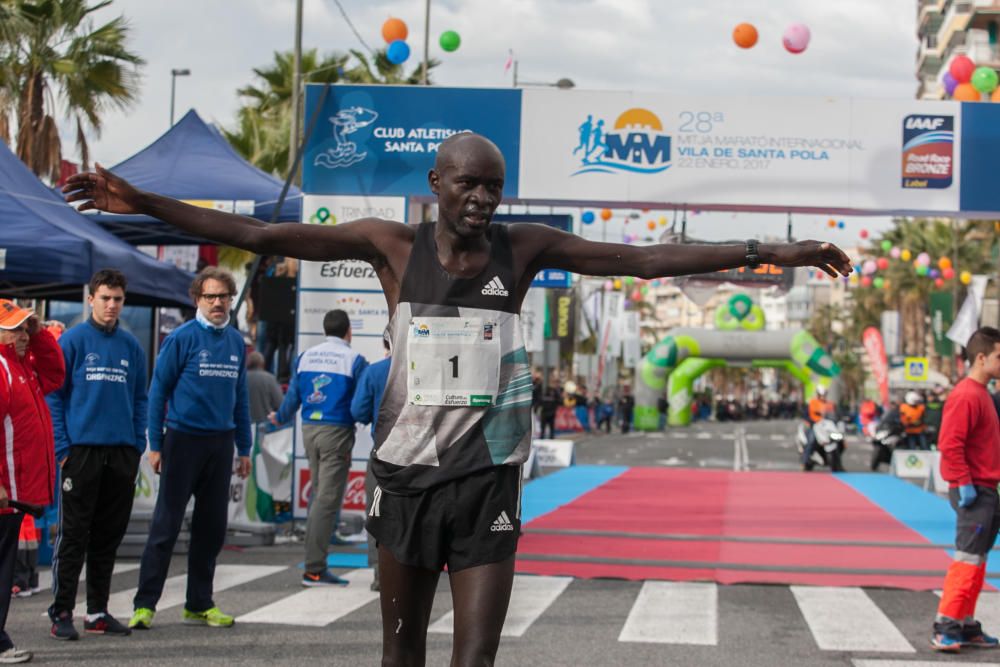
x,y
916,369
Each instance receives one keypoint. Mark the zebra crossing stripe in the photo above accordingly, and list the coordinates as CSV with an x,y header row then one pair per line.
x,y
45,576
226,576
914,663
529,599
846,619
667,612
318,606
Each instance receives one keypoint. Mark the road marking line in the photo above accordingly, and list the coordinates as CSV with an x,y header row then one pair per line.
x,y
753,436
45,576
529,599
667,612
702,435
846,619
226,576
778,436
914,663
680,436
318,606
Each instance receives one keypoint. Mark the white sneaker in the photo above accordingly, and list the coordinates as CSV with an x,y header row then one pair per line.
x,y
14,655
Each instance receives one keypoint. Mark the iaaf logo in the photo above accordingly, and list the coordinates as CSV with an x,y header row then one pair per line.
x,y
636,143
928,154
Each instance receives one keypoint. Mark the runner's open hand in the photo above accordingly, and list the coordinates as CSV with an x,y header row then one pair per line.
x,y
103,191
825,256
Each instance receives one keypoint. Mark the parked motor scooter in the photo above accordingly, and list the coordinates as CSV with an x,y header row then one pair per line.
x,y
886,436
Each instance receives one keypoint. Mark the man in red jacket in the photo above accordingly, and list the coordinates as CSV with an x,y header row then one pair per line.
x,y
970,460
31,365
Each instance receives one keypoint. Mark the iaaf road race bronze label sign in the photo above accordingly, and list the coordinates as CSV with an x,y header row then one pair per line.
x,y
928,143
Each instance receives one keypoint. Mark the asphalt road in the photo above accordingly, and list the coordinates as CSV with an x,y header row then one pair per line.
x,y
557,621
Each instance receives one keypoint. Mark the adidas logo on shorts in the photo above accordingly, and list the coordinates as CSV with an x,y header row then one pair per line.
x,y
495,288
502,524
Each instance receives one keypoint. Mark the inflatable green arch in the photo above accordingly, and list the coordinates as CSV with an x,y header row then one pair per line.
x,y
684,354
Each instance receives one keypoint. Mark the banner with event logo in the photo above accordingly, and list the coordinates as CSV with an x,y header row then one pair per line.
x,y
382,140
872,340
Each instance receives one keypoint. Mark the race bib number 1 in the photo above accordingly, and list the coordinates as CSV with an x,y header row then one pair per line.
x,y
453,361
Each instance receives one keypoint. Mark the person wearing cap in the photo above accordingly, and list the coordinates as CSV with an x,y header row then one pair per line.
x,y
198,408
98,450
31,365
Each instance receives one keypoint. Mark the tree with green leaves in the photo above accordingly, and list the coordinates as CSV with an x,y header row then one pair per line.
x,y
53,56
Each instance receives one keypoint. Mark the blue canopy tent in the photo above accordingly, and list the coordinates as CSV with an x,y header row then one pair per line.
x,y
49,251
192,161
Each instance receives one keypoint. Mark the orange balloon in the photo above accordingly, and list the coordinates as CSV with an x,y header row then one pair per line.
x,y
944,263
995,97
964,92
745,35
394,29
651,224
605,214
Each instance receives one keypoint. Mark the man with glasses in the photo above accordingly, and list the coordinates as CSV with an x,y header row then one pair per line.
x,y
198,405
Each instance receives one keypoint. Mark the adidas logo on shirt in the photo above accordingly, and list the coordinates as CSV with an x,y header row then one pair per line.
x,y
495,288
502,524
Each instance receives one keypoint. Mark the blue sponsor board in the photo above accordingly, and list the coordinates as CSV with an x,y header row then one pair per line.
x,y
545,277
382,140
980,157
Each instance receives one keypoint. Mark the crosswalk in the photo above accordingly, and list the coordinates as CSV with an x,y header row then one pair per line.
x,y
838,619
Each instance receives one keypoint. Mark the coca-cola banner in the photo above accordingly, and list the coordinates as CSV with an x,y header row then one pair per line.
x,y
872,340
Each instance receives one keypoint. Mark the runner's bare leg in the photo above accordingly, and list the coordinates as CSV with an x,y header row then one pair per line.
x,y
480,596
407,595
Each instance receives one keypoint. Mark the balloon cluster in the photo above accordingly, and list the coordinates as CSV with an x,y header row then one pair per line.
x,y
795,39
923,265
397,51
965,82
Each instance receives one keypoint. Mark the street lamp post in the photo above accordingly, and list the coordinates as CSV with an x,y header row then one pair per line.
x,y
174,73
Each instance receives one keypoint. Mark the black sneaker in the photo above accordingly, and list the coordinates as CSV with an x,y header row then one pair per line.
x,y
62,627
106,625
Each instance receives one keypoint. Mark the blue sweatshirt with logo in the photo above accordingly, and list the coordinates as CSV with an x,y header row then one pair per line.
x,y
103,399
368,396
323,382
200,385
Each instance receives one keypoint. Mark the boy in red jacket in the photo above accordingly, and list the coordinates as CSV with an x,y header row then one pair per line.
x,y
31,365
970,461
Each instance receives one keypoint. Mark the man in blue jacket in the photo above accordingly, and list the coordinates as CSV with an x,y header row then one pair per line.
x,y
323,382
199,394
364,409
99,423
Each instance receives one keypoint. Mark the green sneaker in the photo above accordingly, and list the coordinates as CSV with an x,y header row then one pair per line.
x,y
213,618
142,619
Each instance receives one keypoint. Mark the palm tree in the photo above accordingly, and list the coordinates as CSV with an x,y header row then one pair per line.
x,y
51,47
264,121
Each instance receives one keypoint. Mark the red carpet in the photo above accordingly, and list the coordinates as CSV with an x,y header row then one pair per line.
x,y
815,510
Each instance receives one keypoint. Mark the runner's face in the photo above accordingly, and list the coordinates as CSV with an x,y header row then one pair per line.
x,y
469,184
992,366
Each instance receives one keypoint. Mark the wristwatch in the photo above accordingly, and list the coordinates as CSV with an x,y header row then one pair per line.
x,y
753,259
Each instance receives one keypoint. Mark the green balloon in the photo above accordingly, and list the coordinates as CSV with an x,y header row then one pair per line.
x,y
984,79
886,245
629,280
450,40
878,282
921,270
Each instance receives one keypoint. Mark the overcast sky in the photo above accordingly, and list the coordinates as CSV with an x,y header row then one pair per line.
x,y
861,48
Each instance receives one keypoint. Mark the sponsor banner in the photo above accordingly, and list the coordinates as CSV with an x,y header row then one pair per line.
x,y
631,351
942,307
872,340
741,152
384,139
910,464
891,332
533,320
353,504
554,453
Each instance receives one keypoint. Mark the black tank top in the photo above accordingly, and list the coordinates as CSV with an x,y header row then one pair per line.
x,y
420,445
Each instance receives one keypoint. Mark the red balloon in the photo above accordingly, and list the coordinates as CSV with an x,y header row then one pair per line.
x,y
948,273
863,233
866,281
962,67
938,282
882,263
637,295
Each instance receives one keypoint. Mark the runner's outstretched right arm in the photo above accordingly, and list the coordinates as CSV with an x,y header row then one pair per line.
x,y
104,191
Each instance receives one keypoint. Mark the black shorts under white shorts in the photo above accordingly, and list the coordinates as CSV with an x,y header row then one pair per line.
x,y
976,526
470,521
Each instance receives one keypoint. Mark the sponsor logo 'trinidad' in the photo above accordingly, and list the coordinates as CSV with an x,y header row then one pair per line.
x,y
635,143
928,157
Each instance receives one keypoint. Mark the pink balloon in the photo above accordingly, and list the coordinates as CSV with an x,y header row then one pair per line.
x,y
608,285
895,252
869,267
796,38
